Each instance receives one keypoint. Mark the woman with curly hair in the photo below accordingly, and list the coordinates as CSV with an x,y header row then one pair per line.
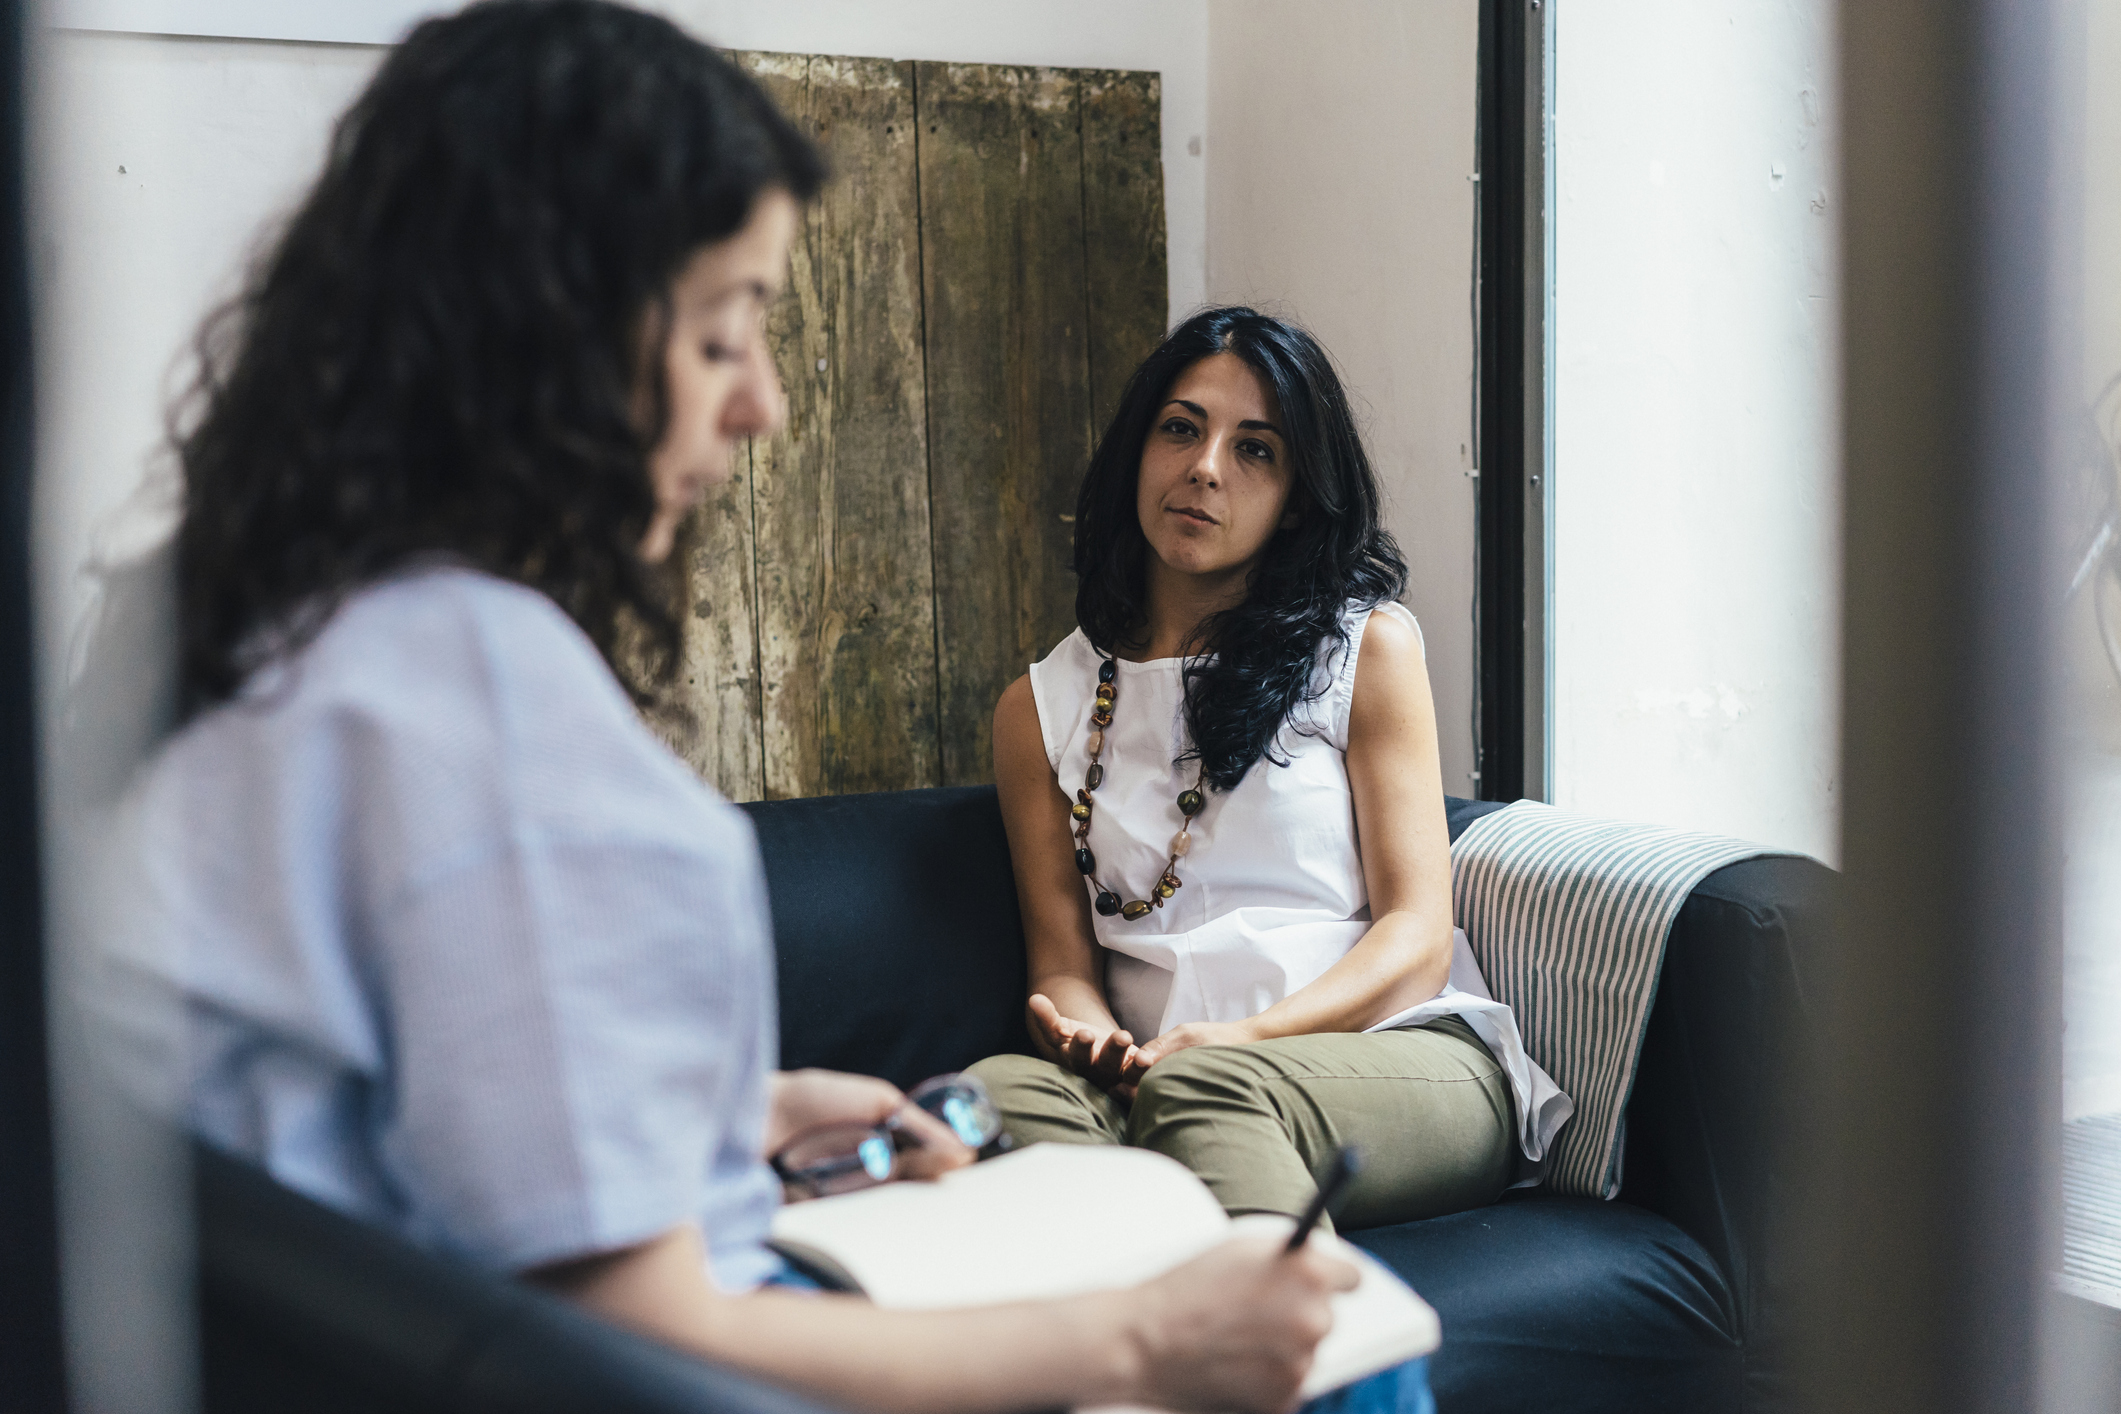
x,y
1226,818
462,950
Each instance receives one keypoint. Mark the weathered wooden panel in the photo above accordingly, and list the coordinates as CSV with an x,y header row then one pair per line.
x,y
846,601
711,718
1127,264
1008,378
966,301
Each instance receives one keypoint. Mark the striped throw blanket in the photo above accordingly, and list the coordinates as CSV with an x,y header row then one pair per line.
x,y
1567,916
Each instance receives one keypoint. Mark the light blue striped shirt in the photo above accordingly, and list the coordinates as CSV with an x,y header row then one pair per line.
x,y
462,949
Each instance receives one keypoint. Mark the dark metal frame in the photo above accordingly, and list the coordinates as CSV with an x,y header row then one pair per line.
x,y
32,1375
1510,520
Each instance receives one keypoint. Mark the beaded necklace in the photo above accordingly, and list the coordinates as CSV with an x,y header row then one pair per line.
x,y
1190,804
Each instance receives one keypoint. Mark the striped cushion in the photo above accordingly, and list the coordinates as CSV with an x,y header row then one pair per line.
x,y
1568,915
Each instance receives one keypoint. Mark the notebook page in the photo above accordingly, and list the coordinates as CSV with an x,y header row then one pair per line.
x,y
1058,1220
1046,1221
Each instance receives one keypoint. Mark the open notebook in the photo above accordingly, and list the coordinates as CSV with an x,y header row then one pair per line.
x,y
1062,1219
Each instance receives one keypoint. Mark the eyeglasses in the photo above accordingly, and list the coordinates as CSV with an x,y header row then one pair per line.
x,y
839,1158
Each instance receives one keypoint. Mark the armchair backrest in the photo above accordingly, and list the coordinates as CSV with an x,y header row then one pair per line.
x,y
302,1308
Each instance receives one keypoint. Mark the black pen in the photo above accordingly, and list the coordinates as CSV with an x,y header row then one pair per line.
x,y
1337,1175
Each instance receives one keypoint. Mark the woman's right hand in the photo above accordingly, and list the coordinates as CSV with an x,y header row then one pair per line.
x,y
1236,1328
1104,1056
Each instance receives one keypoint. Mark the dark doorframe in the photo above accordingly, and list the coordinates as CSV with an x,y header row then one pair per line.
x,y
31,1372
1510,679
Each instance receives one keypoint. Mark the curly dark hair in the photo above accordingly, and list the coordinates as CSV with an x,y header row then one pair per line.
x,y
443,353
1256,663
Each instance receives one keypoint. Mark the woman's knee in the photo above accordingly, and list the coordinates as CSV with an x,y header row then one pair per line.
x,y
1011,1074
1041,1102
1200,1080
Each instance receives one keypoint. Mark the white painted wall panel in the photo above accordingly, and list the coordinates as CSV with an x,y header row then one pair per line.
x,y
1340,143
160,162
1696,481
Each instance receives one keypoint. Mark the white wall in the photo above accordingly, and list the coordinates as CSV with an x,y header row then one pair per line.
x,y
160,164
1696,475
1340,146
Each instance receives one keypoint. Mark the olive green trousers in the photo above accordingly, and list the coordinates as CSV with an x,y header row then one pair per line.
x,y
1427,1109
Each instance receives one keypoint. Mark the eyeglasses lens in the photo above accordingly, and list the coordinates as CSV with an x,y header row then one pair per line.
x,y
839,1158
961,1102
877,1156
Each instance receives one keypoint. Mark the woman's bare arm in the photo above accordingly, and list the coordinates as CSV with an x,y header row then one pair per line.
x,y
1234,1329
1060,949
1397,782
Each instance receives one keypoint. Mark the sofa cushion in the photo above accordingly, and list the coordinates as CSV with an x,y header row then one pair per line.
x,y
1568,1303
899,946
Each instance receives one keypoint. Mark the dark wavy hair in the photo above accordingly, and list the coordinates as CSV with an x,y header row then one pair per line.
x,y
1256,663
446,352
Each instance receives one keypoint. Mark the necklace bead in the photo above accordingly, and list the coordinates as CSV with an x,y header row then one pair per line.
x,y
1107,670
1190,803
1107,902
1180,843
1134,911
1085,860
1097,745
1094,777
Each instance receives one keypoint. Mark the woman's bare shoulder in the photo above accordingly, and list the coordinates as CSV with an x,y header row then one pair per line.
x,y
1391,673
1391,633
1018,742
1016,703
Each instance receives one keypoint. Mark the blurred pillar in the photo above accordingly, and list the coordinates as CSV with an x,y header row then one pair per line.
x,y
1937,1099
30,1365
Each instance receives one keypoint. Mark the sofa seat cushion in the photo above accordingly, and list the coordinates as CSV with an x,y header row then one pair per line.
x,y
1568,1303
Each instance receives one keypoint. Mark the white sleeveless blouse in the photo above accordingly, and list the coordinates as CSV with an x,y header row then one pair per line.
x,y
1272,892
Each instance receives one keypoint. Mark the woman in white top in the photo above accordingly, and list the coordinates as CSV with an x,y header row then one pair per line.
x,y
462,950
1226,817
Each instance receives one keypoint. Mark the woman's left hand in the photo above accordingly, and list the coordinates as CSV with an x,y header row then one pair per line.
x,y
1193,1033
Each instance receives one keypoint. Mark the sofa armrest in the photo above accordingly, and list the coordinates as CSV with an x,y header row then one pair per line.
x,y
1708,1123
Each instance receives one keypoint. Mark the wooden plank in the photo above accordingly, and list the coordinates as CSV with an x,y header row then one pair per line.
x,y
846,597
1124,238
711,717
1001,204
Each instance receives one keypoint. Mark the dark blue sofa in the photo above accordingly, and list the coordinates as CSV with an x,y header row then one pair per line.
x,y
900,955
